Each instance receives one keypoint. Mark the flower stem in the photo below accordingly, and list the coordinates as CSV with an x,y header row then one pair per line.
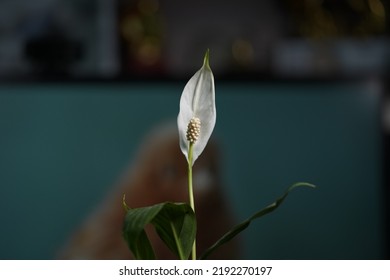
x,y
191,192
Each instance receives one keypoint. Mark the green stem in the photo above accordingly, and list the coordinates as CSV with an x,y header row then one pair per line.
x,y
179,247
191,192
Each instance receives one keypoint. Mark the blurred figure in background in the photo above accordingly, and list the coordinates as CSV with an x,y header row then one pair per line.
x,y
158,174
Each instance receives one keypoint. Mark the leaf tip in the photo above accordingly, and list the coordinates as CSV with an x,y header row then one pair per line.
x,y
302,184
125,207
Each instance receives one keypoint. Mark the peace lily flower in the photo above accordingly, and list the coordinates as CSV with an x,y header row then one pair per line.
x,y
196,120
197,115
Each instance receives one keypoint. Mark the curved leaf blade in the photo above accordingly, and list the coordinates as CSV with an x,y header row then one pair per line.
x,y
242,226
134,233
175,223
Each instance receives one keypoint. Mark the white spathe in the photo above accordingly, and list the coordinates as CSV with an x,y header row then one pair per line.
x,y
198,101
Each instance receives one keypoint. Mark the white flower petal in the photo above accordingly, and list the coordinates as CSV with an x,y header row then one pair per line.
x,y
198,100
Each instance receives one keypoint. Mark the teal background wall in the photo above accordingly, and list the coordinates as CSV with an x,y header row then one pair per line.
x,y
63,145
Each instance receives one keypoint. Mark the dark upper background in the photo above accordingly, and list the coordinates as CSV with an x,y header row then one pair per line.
x,y
151,38
307,80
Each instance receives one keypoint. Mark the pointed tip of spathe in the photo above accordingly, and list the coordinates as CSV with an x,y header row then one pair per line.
x,y
206,58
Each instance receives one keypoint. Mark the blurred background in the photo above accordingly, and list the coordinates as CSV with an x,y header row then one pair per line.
x,y
302,92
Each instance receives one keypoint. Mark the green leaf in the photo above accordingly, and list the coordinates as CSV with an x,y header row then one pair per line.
x,y
242,226
175,223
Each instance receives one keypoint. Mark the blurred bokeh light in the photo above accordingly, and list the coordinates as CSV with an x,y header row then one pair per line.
x,y
152,38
